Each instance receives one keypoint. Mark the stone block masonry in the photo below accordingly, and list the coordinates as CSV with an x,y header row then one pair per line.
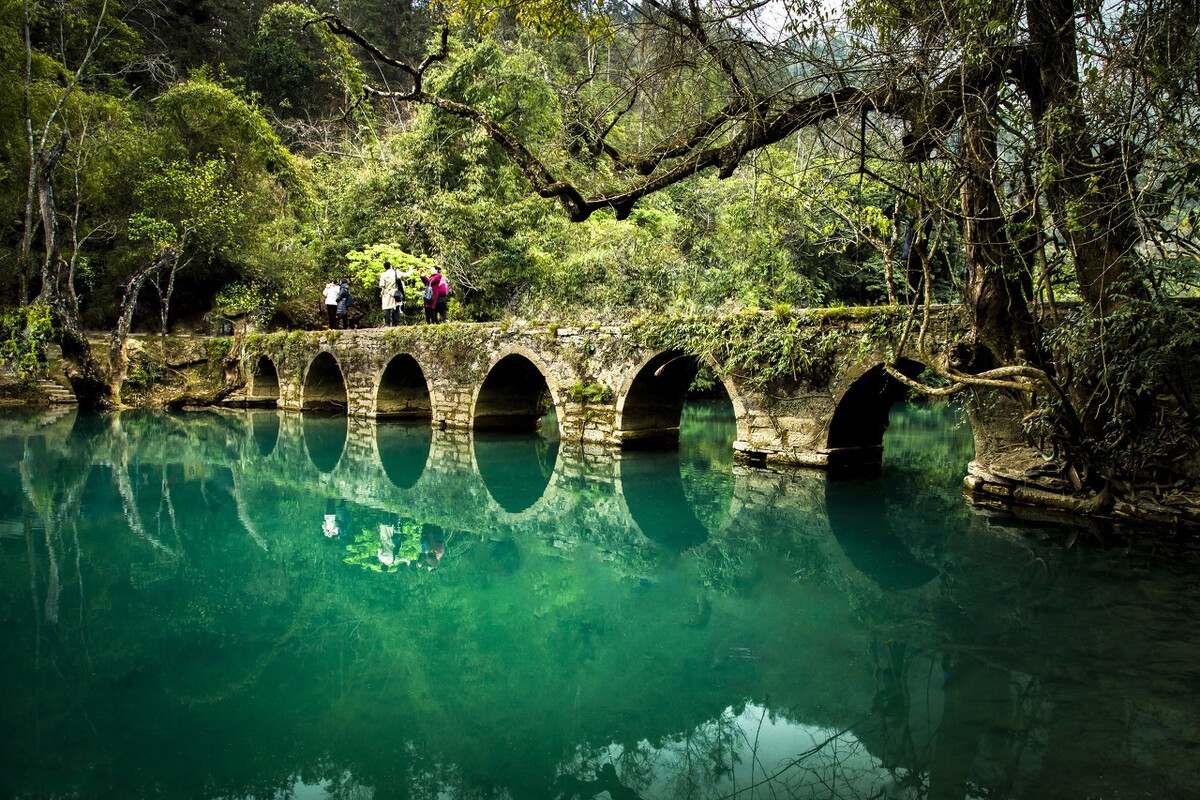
x,y
608,387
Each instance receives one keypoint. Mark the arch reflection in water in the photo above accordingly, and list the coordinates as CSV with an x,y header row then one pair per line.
x,y
403,451
865,514
529,662
678,497
324,438
858,518
264,428
653,490
516,467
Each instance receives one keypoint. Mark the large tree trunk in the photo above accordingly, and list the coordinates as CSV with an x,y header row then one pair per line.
x,y
118,364
57,291
1003,324
1086,184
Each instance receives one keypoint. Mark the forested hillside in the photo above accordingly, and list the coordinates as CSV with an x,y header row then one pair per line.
x,y
235,133
172,163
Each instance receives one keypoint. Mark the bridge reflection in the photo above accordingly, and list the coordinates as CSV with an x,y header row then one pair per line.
x,y
403,451
505,486
652,486
324,440
859,520
885,683
264,429
515,468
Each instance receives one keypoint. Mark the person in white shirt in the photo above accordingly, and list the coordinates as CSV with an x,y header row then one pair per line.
x,y
331,299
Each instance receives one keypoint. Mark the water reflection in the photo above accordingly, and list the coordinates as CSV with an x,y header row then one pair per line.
x,y
164,583
653,488
515,467
858,519
265,427
324,439
403,451
677,497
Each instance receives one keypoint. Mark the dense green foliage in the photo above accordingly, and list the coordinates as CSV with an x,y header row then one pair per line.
x,y
252,151
25,333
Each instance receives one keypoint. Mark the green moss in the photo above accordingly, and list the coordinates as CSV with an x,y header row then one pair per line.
x,y
256,343
295,345
759,348
589,393
218,349
456,349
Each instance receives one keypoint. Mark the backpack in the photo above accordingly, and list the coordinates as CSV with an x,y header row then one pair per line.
x,y
427,293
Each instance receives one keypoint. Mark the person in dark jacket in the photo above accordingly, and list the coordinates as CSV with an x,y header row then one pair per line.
x,y
344,301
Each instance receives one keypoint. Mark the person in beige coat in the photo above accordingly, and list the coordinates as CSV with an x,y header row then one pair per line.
x,y
392,288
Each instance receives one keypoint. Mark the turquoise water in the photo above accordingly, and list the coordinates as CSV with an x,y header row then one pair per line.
x,y
268,605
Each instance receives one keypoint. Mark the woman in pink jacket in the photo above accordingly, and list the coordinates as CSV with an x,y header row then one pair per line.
x,y
435,297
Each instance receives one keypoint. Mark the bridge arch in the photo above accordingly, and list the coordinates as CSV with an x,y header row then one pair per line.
x,y
402,390
264,382
514,394
324,387
855,439
650,403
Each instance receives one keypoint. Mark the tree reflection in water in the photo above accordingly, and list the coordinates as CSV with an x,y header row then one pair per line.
x,y
167,589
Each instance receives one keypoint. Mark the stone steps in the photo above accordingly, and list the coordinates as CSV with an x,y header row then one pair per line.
x,y
56,393
243,400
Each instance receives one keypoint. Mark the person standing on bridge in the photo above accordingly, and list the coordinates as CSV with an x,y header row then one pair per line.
x,y
392,287
331,300
344,301
435,297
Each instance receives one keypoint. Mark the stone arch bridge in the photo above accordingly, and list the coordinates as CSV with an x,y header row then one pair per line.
x,y
613,386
